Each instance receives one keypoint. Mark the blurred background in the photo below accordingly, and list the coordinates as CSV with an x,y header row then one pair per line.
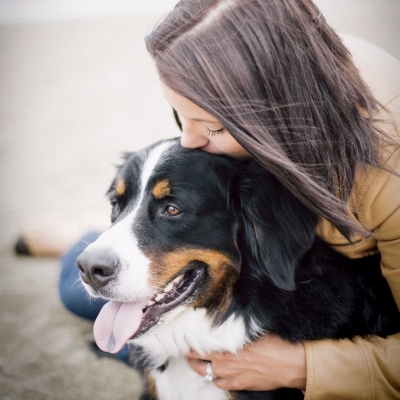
x,y
77,89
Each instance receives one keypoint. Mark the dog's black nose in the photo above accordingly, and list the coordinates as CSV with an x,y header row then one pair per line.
x,y
98,267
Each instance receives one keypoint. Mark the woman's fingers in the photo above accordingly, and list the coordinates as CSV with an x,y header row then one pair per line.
x,y
266,364
198,365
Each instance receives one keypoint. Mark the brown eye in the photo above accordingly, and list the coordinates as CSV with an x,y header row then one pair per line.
x,y
172,211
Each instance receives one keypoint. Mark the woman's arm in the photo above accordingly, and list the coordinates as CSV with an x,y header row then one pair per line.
x,y
345,369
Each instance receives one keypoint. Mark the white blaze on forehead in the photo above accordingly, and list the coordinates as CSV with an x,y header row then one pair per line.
x,y
153,159
132,282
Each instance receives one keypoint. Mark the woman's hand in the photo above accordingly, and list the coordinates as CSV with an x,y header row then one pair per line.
x,y
267,364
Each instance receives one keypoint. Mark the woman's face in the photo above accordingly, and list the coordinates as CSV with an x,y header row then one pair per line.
x,y
200,129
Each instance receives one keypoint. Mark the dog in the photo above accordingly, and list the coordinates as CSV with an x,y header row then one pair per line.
x,y
208,253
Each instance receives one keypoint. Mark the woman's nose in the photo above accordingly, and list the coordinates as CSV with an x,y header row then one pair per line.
x,y
192,135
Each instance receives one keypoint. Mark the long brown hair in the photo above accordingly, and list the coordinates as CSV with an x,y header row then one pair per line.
x,y
279,79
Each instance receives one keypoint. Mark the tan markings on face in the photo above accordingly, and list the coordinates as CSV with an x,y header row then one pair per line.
x,y
221,270
120,187
161,189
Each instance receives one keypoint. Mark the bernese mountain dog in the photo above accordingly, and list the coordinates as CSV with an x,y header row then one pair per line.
x,y
208,253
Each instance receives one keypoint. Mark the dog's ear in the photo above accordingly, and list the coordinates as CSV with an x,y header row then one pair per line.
x,y
277,229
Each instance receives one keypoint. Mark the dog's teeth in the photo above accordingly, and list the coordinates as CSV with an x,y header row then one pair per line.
x,y
160,296
169,287
150,303
178,279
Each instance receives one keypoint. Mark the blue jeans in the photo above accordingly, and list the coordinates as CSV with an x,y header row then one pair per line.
x,y
73,295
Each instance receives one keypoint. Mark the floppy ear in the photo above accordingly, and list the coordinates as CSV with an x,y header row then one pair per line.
x,y
277,228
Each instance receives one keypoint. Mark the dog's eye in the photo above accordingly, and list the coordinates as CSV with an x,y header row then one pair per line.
x,y
172,211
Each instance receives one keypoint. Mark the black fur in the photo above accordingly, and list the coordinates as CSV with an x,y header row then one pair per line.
x,y
292,282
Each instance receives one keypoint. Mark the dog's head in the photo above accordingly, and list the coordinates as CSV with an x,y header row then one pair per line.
x,y
183,221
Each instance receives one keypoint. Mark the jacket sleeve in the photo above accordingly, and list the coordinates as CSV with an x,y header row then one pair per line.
x,y
363,368
366,368
359,369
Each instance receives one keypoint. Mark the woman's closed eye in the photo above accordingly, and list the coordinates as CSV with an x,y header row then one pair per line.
x,y
210,132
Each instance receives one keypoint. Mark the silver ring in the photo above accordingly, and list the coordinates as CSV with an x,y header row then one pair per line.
x,y
209,373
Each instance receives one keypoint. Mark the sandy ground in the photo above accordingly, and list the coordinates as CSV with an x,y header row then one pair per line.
x,y
74,95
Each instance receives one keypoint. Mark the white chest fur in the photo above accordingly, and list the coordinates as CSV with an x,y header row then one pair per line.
x,y
180,382
183,329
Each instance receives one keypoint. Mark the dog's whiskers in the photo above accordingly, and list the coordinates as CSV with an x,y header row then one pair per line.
x,y
77,282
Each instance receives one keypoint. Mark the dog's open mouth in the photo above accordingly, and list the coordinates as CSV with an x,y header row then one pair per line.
x,y
118,322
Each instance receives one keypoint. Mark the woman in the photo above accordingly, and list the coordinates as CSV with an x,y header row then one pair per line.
x,y
271,80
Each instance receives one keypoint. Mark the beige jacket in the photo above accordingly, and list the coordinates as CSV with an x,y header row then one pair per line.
x,y
365,368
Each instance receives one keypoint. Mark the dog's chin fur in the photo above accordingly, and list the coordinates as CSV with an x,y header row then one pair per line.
x,y
264,268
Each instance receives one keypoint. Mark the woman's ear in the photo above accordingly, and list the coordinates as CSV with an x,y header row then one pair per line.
x,y
277,228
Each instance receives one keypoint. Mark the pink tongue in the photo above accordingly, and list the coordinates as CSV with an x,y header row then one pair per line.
x,y
116,323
